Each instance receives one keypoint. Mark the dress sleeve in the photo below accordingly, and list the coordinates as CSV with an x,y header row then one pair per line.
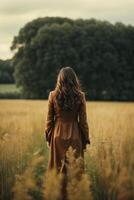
x,y
83,121
49,118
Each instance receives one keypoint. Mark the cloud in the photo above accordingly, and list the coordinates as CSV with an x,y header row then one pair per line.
x,y
15,13
23,6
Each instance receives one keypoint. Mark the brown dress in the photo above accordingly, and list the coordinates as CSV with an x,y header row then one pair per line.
x,y
64,129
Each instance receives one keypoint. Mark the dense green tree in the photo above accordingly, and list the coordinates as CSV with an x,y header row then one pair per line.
x,y
101,53
6,71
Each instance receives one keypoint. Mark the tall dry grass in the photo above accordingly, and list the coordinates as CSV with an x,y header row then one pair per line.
x,y
21,128
78,182
27,185
109,160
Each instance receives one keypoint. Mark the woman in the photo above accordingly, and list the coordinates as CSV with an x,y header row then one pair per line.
x,y
66,122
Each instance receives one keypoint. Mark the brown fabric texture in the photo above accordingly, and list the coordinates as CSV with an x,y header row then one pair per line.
x,y
64,129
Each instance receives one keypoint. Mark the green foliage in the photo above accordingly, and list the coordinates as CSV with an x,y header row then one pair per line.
x,y
6,72
101,54
8,88
10,91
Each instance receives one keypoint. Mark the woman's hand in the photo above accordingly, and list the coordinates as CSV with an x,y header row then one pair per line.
x,y
48,145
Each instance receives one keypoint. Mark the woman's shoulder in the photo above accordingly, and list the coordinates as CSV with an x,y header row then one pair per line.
x,y
52,93
83,97
82,94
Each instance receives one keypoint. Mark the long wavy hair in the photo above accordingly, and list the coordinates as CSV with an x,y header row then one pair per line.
x,y
68,89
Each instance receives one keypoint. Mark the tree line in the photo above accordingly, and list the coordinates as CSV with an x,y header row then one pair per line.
x,y
101,53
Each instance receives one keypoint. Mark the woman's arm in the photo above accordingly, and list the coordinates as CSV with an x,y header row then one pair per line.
x,y
83,121
49,118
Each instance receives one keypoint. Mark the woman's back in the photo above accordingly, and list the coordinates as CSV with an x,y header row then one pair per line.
x,y
64,129
64,115
65,122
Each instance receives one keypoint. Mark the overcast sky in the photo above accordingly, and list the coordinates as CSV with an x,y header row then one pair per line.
x,y
15,13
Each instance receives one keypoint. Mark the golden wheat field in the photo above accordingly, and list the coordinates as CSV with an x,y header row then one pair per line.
x,y
109,159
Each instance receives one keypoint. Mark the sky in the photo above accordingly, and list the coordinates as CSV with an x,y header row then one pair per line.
x,y
14,14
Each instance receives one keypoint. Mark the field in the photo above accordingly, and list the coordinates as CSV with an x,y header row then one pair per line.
x,y
9,91
8,88
109,158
